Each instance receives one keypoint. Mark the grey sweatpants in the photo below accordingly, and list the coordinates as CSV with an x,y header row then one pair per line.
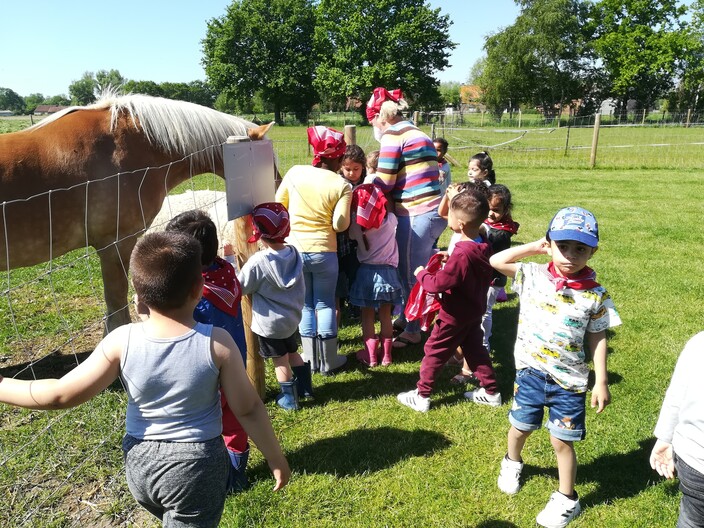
x,y
181,483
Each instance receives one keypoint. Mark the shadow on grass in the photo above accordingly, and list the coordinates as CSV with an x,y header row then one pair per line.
x,y
349,454
493,523
53,365
617,476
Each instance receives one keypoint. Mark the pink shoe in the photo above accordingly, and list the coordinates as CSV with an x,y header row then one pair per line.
x,y
388,345
369,354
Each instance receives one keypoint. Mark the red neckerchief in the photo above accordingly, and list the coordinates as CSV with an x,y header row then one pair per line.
x,y
585,280
222,287
507,225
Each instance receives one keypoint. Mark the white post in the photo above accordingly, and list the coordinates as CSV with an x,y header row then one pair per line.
x,y
595,140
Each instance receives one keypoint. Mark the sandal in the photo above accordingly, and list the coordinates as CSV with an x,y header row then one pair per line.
x,y
401,341
466,376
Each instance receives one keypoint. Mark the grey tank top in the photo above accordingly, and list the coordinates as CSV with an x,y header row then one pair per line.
x,y
172,386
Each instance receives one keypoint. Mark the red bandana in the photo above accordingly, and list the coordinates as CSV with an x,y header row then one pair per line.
x,y
378,97
585,280
326,143
507,225
222,287
270,221
369,206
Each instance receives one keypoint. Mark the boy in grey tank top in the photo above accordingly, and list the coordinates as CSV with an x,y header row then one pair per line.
x,y
172,368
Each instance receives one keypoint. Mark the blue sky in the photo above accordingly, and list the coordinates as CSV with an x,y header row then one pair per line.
x,y
47,47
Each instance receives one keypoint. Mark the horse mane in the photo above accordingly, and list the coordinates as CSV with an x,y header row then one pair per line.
x,y
179,127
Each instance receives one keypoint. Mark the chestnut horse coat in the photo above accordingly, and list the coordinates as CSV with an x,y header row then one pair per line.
x,y
97,176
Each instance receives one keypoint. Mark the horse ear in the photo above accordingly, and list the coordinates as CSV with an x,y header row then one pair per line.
x,y
259,132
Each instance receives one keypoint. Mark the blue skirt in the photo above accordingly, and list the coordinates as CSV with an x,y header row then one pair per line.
x,y
374,285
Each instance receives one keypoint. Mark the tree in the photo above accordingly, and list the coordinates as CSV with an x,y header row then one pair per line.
x,y
108,79
143,87
59,100
11,100
450,94
363,44
690,87
32,101
82,91
641,44
543,59
263,46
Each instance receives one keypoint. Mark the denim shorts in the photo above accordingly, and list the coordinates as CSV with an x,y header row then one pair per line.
x,y
533,391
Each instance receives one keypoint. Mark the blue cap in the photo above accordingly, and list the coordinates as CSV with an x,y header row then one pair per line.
x,y
574,223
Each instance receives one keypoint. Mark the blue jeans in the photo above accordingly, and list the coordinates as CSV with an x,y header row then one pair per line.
x,y
692,502
415,236
320,275
533,391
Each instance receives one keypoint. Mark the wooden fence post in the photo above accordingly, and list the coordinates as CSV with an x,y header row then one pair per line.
x,y
415,117
244,250
689,117
351,134
432,131
595,140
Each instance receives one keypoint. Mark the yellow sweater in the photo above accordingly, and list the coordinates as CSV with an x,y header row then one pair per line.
x,y
318,202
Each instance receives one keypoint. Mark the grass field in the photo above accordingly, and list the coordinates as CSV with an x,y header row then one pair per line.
x,y
359,458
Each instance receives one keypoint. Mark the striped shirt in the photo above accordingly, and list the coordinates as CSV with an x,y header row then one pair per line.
x,y
408,170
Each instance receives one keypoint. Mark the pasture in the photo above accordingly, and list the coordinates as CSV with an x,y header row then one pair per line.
x,y
359,458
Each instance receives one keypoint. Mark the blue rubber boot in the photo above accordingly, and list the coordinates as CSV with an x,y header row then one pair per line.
x,y
237,479
288,397
304,382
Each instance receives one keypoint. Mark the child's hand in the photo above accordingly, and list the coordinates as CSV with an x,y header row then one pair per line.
x,y
601,397
541,246
227,249
418,270
661,459
282,475
445,255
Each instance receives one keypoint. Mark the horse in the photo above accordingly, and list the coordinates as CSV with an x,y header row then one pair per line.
x,y
97,176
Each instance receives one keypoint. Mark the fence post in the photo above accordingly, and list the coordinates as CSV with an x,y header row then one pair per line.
x,y
482,123
351,134
645,112
432,131
520,117
415,118
595,140
244,250
689,116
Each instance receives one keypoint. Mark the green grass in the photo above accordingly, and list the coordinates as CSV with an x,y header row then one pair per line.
x,y
359,458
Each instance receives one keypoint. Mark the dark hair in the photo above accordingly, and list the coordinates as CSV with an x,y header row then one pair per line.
x,y
503,194
356,154
472,202
443,143
373,159
485,164
199,225
474,185
165,267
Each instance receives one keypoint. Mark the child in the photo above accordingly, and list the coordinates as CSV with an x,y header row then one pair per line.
x,y
274,277
499,228
372,164
353,170
219,306
171,367
680,433
377,285
354,165
481,168
445,173
564,314
464,282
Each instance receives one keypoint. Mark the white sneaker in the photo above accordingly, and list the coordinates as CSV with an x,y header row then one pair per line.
x,y
481,396
559,511
414,400
509,476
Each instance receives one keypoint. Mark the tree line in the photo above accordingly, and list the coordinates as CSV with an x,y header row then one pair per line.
x,y
577,53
